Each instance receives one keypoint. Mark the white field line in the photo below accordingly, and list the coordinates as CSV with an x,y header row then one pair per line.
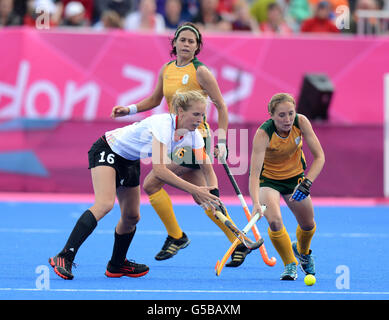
x,y
339,292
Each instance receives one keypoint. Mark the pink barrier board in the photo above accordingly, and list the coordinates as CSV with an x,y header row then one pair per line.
x,y
57,90
63,75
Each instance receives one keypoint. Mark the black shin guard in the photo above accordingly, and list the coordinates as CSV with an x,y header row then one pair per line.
x,y
120,247
83,228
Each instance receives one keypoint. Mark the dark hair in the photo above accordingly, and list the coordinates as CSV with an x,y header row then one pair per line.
x,y
191,27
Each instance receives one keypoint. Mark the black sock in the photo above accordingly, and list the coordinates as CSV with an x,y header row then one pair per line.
x,y
120,247
83,228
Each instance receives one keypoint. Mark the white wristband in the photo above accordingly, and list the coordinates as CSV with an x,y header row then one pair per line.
x,y
132,109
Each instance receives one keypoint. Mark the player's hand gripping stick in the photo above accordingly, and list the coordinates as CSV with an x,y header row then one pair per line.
x,y
241,235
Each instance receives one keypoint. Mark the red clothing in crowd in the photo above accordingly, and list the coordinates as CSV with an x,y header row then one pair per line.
x,y
88,5
32,22
319,25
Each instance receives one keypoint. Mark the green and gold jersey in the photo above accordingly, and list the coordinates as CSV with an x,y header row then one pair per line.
x,y
181,79
284,157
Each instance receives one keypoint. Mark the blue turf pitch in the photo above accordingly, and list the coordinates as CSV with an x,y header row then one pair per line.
x,y
350,246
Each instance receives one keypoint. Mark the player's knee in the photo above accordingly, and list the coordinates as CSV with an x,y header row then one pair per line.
x,y
150,188
276,224
103,207
308,225
130,220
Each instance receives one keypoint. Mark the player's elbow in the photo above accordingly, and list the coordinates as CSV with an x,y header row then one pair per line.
x,y
320,158
323,158
155,100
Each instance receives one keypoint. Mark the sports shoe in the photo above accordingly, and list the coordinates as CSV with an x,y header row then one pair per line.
x,y
171,247
62,264
307,263
290,272
128,269
238,256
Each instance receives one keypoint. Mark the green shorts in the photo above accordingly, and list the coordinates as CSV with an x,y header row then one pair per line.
x,y
285,186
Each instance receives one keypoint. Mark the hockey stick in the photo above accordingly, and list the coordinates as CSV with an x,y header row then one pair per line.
x,y
241,235
220,264
269,261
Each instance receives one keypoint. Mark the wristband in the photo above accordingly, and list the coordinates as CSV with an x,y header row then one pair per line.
x,y
224,141
220,207
215,192
132,109
307,183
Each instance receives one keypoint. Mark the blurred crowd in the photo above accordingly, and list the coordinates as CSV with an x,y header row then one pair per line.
x,y
282,17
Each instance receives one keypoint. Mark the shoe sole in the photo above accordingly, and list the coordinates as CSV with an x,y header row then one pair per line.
x,y
183,246
119,275
289,278
51,262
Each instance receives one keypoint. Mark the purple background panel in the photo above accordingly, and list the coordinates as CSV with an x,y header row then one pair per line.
x,y
62,75
354,158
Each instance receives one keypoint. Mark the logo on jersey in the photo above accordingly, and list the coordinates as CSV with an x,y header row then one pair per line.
x,y
180,153
297,140
185,79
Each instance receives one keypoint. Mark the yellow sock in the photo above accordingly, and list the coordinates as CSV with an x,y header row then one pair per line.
x,y
304,239
162,204
221,225
283,245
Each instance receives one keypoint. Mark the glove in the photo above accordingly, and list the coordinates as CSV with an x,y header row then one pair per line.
x,y
302,190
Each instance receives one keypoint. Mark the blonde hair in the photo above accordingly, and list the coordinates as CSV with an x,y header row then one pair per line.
x,y
277,99
182,99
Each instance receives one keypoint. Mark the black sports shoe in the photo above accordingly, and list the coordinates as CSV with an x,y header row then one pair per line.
x,y
62,264
128,269
171,247
238,256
